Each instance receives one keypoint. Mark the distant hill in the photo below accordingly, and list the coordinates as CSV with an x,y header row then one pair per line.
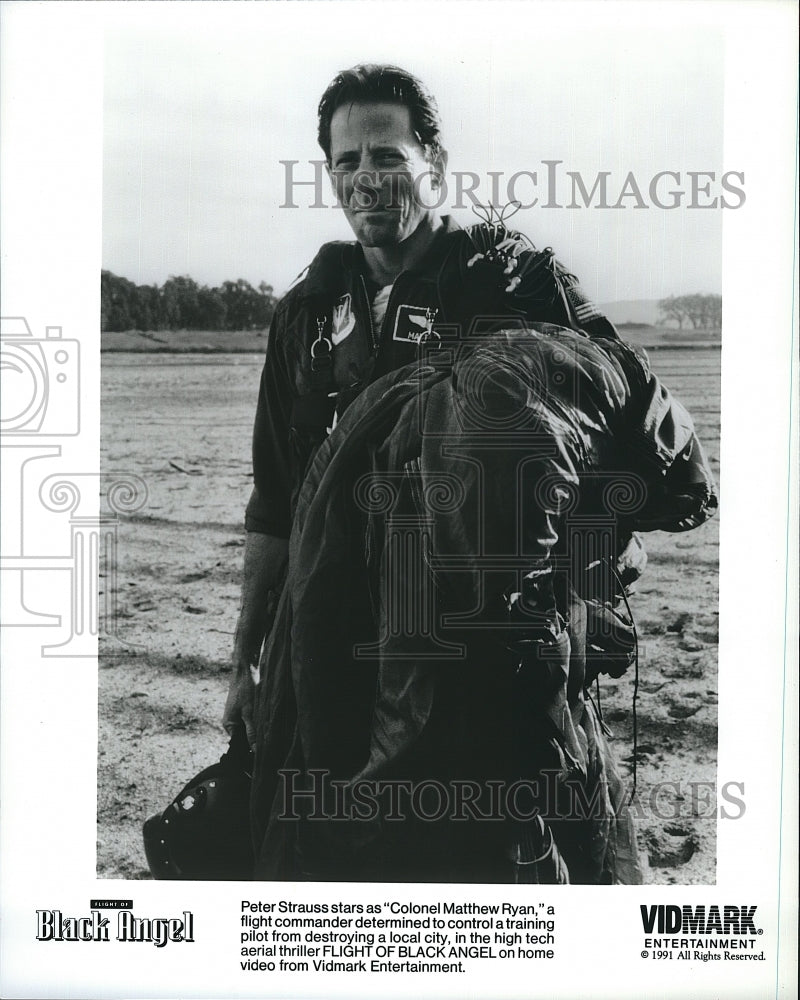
x,y
642,311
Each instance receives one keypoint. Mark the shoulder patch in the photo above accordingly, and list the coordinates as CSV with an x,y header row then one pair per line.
x,y
584,309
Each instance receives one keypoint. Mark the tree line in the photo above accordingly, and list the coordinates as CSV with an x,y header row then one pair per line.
x,y
181,304
704,312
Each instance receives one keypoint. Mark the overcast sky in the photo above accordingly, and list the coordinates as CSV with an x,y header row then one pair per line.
x,y
203,101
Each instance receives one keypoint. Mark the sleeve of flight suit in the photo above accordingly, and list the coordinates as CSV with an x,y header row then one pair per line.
x,y
543,276
268,508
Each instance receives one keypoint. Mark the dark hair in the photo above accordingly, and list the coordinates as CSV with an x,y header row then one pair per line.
x,y
371,83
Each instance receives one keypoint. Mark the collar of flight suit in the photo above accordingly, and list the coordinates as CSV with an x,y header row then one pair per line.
x,y
324,276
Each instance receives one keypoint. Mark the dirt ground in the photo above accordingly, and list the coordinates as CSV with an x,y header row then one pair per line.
x,y
182,423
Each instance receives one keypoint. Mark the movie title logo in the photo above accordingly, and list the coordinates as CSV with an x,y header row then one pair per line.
x,y
53,925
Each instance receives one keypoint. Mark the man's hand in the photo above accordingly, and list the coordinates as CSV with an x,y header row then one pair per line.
x,y
265,560
239,705
610,641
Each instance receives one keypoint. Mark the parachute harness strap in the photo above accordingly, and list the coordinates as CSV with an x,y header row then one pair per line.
x,y
315,412
429,336
321,349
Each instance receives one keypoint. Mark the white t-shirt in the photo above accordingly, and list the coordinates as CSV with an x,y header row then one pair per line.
x,y
379,304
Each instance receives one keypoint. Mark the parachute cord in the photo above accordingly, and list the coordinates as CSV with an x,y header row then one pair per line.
x,y
635,678
490,215
599,706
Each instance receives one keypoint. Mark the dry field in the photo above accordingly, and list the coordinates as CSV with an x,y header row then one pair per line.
x,y
182,422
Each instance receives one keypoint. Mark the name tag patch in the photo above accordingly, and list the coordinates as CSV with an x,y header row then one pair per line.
x,y
411,323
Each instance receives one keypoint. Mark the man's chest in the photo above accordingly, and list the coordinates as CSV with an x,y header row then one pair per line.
x,y
357,333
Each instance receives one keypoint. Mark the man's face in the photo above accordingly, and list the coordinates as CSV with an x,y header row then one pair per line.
x,y
380,174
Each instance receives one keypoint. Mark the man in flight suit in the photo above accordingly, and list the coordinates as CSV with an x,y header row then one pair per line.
x,y
362,309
